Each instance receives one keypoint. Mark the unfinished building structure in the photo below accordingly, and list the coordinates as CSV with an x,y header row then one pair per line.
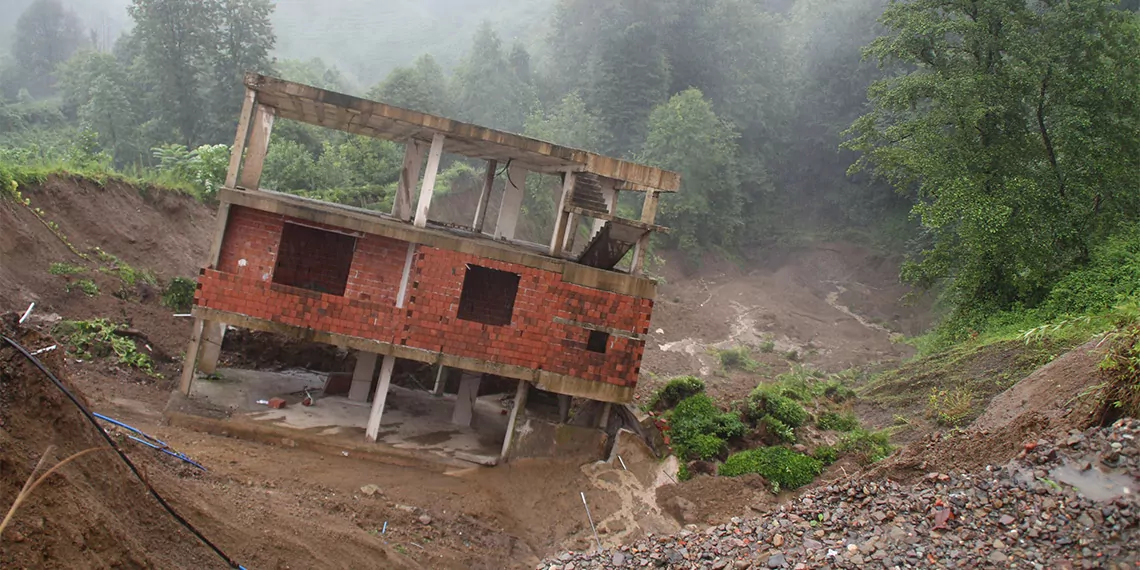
x,y
402,286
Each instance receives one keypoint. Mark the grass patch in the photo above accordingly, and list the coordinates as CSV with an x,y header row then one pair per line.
x,y
782,467
868,446
826,454
1119,396
129,277
66,269
835,421
36,171
698,429
950,407
89,287
100,338
739,358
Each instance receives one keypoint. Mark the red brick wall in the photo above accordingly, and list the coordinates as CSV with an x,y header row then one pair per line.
x,y
251,236
429,320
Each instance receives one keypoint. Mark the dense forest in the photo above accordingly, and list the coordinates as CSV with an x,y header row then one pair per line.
x,y
996,142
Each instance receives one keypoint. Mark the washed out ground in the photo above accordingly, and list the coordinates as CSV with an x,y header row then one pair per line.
x,y
828,305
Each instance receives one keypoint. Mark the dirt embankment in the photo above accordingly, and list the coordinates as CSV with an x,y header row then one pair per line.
x,y
158,231
833,305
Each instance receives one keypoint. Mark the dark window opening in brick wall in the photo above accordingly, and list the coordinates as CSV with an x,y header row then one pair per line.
x,y
488,296
598,341
313,259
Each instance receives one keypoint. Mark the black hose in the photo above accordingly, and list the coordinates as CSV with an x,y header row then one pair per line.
x,y
123,456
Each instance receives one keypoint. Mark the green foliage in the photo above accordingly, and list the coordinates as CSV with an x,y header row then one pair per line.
x,y
1119,396
569,123
739,358
696,426
1017,139
868,446
687,136
837,422
421,87
46,34
129,277
101,338
89,287
204,167
60,268
826,454
950,407
768,401
683,473
780,466
675,390
779,430
179,294
488,90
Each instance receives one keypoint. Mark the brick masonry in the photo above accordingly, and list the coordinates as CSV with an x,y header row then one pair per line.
x,y
429,319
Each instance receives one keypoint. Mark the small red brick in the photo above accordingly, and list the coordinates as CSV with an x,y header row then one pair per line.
x,y
276,403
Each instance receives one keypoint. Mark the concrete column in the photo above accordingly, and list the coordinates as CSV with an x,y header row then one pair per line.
x,y
519,408
605,419
409,176
563,408
211,346
250,177
513,192
362,376
430,173
465,399
381,396
237,152
190,364
484,196
563,220
440,380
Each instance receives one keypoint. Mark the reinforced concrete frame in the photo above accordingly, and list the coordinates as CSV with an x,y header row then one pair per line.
x,y
429,137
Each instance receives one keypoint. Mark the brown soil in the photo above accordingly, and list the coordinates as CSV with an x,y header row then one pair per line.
x,y
92,513
160,231
1049,402
803,300
714,499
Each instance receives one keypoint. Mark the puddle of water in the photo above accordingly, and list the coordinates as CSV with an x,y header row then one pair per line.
x,y
1094,483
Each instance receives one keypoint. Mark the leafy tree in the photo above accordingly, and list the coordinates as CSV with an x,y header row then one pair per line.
x,y
569,123
487,89
1015,126
244,38
629,77
686,135
421,87
46,35
98,88
313,72
174,37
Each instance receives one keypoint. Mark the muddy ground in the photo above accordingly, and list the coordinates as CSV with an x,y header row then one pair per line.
x,y
833,306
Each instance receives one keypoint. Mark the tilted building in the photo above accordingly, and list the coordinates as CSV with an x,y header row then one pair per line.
x,y
470,296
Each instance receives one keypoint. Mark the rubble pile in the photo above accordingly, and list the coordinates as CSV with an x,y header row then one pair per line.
x,y
1066,503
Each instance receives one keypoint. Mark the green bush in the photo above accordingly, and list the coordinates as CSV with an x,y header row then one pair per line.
x,y
767,401
706,446
837,422
826,454
674,391
695,419
101,338
66,269
683,473
780,466
870,446
179,294
738,358
778,429
88,287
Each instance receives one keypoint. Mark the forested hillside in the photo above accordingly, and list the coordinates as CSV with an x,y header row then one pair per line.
x,y
997,142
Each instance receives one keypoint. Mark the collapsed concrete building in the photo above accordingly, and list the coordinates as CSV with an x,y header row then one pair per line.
x,y
402,286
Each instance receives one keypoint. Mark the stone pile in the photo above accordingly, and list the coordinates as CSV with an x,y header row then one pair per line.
x,y
1067,503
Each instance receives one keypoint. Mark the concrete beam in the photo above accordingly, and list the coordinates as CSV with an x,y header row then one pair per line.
x,y
362,376
378,401
513,192
429,180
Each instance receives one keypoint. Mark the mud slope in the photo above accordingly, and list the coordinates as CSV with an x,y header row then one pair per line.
x,y
834,305
156,230
92,513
